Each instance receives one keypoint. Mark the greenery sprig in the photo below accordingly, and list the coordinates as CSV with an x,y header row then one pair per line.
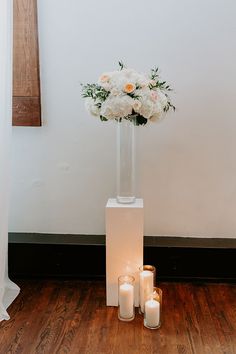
x,y
163,86
95,92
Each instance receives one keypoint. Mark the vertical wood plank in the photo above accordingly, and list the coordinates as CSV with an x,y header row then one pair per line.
x,y
26,80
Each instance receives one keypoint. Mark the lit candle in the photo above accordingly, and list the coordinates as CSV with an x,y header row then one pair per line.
x,y
126,301
152,313
146,281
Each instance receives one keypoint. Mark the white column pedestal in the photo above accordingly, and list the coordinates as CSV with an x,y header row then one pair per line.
x,y
124,245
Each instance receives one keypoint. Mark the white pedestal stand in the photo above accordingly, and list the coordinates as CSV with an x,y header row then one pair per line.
x,y
124,245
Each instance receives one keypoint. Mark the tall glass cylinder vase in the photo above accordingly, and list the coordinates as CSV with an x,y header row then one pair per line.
x,y
125,161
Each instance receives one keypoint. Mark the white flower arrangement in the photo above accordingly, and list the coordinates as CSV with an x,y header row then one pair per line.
x,y
127,94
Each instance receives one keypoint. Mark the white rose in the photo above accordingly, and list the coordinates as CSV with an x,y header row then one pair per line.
x,y
152,82
144,84
104,78
156,117
136,105
106,86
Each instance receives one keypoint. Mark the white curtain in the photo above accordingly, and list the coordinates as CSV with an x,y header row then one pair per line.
x,y
8,290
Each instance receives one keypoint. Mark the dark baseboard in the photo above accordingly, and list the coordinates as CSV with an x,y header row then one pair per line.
x,y
83,256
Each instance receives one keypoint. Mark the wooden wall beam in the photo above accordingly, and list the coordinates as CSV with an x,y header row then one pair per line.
x,y
26,79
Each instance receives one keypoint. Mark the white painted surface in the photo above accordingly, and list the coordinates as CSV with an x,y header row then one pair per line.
x,y
8,290
64,172
124,246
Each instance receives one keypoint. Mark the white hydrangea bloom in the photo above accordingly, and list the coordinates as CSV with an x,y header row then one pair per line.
x,y
117,107
147,105
91,107
157,112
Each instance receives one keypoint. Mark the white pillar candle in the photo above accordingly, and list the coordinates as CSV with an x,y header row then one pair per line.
x,y
126,300
146,282
152,313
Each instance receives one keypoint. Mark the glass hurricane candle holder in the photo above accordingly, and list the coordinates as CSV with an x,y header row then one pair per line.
x,y
147,281
152,309
126,309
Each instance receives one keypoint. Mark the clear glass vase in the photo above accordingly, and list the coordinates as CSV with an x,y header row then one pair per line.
x,y
125,161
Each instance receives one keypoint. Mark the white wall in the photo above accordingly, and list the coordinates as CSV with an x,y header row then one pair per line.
x,y
64,172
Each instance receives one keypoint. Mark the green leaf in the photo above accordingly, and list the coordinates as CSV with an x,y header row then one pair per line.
x,y
103,119
121,64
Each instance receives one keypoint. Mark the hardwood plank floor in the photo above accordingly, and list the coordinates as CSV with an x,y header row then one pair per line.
x,y
56,316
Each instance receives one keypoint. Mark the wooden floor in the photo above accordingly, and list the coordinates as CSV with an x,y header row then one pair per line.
x,y
71,317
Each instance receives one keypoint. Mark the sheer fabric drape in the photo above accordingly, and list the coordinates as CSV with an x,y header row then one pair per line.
x,y
8,290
